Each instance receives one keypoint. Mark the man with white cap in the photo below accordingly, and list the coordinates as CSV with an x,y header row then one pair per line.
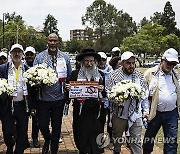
x,y
106,69
115,52
15,108
30,54
164,97
3,57
131,114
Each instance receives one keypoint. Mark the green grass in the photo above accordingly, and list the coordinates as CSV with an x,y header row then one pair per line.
x,y
160,133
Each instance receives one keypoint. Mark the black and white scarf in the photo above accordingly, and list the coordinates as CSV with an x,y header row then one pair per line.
x,y
117,76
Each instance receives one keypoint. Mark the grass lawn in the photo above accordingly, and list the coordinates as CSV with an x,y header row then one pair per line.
x,y
160,133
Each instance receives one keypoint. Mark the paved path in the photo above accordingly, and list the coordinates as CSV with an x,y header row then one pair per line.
x,y
66,147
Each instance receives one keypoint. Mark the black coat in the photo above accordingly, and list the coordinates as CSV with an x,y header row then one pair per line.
x,y
86,126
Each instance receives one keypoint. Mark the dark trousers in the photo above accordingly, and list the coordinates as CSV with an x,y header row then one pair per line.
x,y
169,122
51,112
8,122
35,127
109,129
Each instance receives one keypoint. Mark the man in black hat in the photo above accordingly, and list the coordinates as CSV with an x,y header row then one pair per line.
x,y
86,121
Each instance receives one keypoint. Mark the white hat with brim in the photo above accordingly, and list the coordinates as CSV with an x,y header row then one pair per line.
x,y
115,49
103,55
30,49
126,55
17,46
3,54
171,55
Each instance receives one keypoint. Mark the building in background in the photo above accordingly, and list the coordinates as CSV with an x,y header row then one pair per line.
x,y
82,34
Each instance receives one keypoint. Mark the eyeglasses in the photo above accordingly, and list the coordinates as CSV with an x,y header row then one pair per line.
x,y
170,63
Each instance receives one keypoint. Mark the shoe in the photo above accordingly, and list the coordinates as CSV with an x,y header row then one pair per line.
x,y
27,145
45,148
9,150
60,140
36,143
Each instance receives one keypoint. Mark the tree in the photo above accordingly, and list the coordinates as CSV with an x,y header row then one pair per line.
x,y
15,31
168,19
150,39
100,17
124,26
50,25
14,17
74,46
110,25
156,18
143,22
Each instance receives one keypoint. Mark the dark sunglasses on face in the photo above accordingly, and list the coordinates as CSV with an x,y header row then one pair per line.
x,y
170,63
29,54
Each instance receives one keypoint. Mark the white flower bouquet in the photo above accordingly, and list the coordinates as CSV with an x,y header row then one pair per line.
x,y
5,87
125,90
40,75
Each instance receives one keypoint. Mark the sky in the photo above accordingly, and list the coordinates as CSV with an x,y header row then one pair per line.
x,y
69,12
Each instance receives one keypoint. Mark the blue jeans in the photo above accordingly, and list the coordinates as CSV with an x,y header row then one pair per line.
x,y
169,122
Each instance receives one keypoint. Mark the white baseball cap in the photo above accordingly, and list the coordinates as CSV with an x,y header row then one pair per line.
x,y
126,55
31,49
115,49
171,55
18,46
103,55
3,54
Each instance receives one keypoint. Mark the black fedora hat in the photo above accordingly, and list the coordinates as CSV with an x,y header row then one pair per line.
x,y
88,52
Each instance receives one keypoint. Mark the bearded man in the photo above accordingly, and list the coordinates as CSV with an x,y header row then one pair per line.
x,y
16,107
86,121
130,115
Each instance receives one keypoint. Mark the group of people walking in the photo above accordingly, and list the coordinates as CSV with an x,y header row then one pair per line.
x,y
159,103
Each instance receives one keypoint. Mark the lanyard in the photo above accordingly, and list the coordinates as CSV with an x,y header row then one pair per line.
x,y
17,72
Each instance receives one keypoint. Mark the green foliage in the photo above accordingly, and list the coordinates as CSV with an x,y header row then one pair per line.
x,y
156,18
15,31
143,22
73,46
168,19
150,39
13,17
110,25
50,25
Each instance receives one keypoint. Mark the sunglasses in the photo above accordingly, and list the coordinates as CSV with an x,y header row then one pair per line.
x,y
170,63
29,54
